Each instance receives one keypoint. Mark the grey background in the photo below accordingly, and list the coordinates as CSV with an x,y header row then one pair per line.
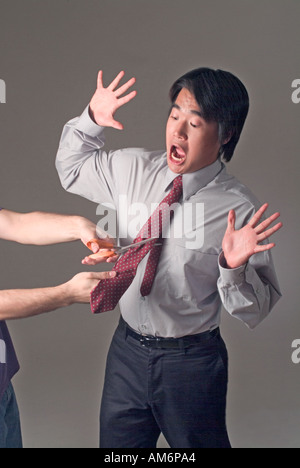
x,y
50,53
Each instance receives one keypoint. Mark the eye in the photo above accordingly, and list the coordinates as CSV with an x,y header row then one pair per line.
x,y
195,124
174,117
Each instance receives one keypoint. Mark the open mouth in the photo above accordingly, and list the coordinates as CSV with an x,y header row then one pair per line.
x,y
177,155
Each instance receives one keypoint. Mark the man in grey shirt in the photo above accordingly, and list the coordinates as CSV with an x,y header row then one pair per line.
x,y
167,366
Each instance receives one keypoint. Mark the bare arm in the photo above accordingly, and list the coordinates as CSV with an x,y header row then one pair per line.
x,y
16,304
50,228
44,228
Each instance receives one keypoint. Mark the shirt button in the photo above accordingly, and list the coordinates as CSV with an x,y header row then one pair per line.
x,y
143,298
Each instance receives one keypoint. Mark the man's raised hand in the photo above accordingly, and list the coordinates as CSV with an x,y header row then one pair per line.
x,y
240,245
106,101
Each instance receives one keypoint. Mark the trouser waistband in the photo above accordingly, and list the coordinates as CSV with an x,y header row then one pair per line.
x,y
155,342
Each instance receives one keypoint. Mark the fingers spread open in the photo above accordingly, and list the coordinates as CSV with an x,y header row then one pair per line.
x,y
256,218
125,87
116,81
264,235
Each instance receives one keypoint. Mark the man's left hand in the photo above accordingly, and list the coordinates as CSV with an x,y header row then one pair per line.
x,y
240,245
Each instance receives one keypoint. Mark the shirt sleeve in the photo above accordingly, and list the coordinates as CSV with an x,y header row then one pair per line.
x,y
250,292
84,168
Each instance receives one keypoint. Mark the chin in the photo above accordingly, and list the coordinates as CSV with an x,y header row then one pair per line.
x,y
176,169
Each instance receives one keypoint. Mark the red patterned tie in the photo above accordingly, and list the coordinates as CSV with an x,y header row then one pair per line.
x,y
108,292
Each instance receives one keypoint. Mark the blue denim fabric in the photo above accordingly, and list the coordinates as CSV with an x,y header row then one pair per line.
x,y
10,427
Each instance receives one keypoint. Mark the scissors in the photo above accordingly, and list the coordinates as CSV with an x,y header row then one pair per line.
x,y
119,250
113,249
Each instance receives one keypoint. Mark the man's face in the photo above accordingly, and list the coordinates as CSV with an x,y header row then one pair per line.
x,y
192,143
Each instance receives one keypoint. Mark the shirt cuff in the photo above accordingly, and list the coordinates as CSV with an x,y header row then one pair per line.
x,y
231,275
86,125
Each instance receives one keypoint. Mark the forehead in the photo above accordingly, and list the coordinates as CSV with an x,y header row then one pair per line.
x,y
186,102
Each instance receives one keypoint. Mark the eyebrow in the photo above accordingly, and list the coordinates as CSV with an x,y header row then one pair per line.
x,y
198,113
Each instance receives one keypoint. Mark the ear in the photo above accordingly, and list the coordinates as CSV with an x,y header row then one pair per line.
x,y
227,140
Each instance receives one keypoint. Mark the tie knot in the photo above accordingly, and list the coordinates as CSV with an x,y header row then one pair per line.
x,y
177,186
178,181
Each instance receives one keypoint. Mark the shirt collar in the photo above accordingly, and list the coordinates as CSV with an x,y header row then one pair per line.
x,y
195,181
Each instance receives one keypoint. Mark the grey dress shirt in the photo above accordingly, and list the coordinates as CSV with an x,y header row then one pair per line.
x,y
192,282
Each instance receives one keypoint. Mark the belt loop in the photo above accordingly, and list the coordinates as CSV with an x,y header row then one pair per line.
x,y
123,328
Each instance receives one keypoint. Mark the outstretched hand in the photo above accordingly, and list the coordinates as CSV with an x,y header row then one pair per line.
x,y
106,101
240,245
103,251
79,288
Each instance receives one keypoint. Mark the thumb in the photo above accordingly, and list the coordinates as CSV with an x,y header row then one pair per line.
x,y
95,247
105,275
231,221
117,125
100,79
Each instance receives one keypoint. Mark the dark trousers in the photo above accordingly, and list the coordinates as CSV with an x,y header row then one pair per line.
x,y
178,392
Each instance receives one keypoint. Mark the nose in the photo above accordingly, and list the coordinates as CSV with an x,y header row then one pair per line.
x,y
180,131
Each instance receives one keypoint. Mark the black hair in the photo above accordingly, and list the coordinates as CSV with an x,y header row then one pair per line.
x,y
222,98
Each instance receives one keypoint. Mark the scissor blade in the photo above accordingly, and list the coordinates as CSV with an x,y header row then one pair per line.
x,y
136,244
